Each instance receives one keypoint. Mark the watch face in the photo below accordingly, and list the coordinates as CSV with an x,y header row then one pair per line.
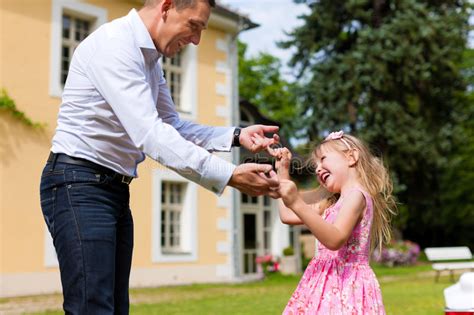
x,y
236,140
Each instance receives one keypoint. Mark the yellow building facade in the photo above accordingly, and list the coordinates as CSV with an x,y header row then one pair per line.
x,y
37,40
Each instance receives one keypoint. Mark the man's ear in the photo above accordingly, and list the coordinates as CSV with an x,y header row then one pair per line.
x,y
165,6
353,157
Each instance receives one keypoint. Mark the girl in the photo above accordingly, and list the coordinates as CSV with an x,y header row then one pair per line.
x,y
349,214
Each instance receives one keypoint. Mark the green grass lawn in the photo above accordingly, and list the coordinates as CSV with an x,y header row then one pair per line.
x,y
405,290
412,290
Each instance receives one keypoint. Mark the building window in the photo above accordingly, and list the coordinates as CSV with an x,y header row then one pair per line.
x,y
173,73
247,199
180,73
71,22
74,30
174,221
172,196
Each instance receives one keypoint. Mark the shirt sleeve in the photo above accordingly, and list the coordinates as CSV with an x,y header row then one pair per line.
x,y
211,138
120,78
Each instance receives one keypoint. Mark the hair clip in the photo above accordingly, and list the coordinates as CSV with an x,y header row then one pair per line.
x,y
338,135
335,135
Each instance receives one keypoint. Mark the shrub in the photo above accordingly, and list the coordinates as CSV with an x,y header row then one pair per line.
x,y
398,253
288,251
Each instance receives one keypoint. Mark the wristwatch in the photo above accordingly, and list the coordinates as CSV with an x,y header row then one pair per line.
x,y
236,138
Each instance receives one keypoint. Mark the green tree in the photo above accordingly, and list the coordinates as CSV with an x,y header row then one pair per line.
x,y
388,71
457,180
261,83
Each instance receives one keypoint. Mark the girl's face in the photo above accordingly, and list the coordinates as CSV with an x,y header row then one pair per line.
x,y
332,169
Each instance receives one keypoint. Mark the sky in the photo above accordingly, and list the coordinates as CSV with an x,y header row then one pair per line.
x,y
471,34
275,17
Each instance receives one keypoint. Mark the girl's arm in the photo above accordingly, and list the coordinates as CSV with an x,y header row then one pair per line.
x,y
312,199
333,236
282,164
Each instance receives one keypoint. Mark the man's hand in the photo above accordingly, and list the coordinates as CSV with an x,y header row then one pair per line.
x,y
255,180
249,134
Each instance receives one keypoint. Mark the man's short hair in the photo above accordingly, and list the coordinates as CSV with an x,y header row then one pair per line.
x,y
180,4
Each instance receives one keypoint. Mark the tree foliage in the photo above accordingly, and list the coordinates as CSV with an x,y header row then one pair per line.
x,y
261,83
389,72
457,180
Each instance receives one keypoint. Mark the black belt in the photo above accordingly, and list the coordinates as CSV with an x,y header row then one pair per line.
x,y
64,158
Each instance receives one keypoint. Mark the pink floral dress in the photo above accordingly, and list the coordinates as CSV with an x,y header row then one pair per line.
x,y
341,281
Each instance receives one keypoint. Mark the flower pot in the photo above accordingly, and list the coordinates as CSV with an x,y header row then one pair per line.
x,y
289,265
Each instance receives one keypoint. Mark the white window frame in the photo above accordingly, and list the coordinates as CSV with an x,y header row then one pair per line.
x,y
189,217
75,8
189,93
267,230
50,257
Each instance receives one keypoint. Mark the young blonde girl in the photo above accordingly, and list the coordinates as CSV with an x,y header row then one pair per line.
x,y
349,214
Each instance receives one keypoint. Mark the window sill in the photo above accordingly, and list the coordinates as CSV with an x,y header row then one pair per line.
x,y
169,253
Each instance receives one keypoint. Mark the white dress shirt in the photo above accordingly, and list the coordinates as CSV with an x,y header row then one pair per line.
x,y
116,108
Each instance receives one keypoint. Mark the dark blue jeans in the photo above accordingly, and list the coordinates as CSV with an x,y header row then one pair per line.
x,y
88,215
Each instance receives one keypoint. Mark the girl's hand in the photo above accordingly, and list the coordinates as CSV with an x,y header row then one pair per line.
x,y
282,155
283,162
289,193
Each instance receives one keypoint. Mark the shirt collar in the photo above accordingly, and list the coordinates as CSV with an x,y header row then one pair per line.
x,y
142,36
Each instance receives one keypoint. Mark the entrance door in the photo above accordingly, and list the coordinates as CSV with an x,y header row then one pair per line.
x,y
256,230
250,242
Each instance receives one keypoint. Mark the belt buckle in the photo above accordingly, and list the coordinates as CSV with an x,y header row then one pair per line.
x,y
127,179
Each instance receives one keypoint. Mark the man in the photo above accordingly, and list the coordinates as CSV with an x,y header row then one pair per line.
x,y
116,109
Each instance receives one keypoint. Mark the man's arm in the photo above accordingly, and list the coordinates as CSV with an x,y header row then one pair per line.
x,y
123,84
211,138
249,178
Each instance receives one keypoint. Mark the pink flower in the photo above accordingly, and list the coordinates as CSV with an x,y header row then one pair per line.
x,y
263,259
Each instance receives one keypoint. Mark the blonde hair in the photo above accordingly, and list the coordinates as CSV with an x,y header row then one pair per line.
x,y
375,179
